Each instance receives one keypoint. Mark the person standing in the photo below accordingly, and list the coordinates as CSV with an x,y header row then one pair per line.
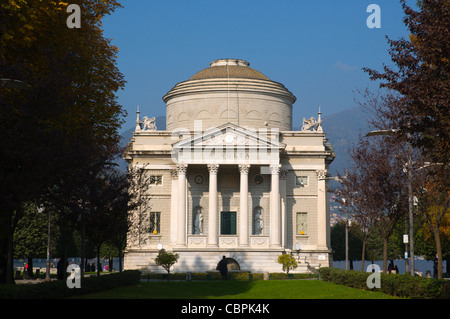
x,y
223,268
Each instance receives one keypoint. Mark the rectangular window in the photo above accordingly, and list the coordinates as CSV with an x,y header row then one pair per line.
x,y
155,222
228,223
155,180
301,224
301,180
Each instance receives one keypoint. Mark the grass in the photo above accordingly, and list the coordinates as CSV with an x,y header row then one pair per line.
x,y
261,289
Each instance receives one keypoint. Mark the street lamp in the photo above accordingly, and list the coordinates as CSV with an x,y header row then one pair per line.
x,y
410,194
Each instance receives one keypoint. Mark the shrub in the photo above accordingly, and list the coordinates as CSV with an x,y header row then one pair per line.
x,y
58,289
166,259
288,262
395,285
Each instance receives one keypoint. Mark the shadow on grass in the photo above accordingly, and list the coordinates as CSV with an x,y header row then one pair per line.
x,y
179,290
274,289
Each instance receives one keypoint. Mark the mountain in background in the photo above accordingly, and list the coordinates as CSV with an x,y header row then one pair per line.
x,y
342,130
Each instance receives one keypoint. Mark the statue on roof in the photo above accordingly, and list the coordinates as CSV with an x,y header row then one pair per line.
x,y
149,123
311,123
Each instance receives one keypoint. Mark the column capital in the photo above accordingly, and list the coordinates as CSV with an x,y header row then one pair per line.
x,y
181,168
244,168
275,168
213,168
174,173
321,174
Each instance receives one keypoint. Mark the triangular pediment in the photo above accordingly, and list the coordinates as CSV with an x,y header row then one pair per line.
x,y
230,143
232,135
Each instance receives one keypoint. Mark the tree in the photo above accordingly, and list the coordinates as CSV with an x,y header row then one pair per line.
x,y
107,205
374,186
166,259
138,205
434,202
420,78
30,235
120,222
355,242
288,262
64,116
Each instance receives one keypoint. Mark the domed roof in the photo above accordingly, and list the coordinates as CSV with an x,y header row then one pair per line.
x,y
229,68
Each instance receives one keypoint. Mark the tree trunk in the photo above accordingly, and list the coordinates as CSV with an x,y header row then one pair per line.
x,y
437,238
385,245
363,254
10,260
30,268
98,262
120,260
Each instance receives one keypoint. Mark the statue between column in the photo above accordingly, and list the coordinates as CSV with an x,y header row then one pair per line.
x,y
258,222
198,222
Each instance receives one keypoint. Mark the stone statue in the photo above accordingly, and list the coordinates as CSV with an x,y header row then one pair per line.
x,y
258,222
149,123
311,123
198,222
308,124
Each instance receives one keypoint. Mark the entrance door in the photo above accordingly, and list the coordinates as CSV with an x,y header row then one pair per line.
x,y
228,223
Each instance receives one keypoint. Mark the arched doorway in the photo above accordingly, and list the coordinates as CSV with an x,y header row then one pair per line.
x,y
232,264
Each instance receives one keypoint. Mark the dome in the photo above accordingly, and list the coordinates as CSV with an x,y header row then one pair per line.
x,y
229,68
229,91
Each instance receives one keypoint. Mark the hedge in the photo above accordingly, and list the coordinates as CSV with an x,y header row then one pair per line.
x,y
58,288
405,286
242,276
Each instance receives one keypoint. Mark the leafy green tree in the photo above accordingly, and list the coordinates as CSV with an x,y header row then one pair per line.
x,y
30,236
287,262
355,244
63,121
166,259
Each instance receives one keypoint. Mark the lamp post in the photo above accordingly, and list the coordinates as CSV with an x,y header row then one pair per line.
x,y
410,193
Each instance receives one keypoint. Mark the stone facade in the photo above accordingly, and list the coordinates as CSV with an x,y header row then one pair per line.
x,y
230,177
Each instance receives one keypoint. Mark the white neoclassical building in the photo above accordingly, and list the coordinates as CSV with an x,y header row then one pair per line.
x,y
230,177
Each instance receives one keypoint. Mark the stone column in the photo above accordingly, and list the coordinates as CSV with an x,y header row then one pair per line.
x,y
283,174
275,220
173,207
181,198
243,205
321,210
213,205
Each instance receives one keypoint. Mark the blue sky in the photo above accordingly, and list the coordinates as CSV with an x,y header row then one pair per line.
x,y
315,48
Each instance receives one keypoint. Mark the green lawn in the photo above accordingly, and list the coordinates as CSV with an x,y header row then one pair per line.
x,y
261,289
